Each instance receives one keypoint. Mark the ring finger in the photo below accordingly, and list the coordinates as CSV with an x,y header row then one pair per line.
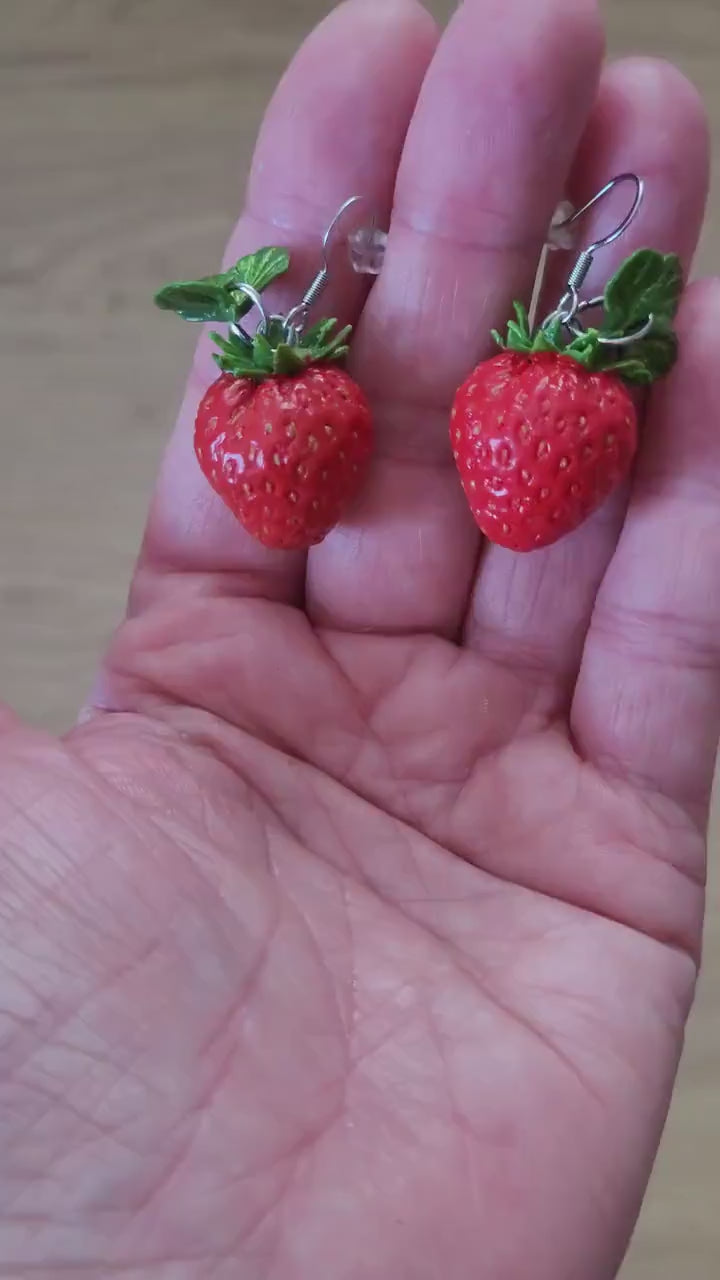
x,y
535,609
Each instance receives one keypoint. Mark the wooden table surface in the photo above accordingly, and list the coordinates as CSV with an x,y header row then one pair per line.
x,y
125,128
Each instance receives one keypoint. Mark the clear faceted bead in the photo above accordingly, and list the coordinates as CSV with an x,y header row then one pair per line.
x,y
366,247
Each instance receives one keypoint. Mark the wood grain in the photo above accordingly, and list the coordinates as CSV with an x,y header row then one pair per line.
x,y
125,129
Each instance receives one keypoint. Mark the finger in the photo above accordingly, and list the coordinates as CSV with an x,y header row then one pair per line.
x,y
647,704
335,128
486,156
534,610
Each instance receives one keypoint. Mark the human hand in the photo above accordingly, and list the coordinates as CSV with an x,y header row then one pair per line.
x,y
353,932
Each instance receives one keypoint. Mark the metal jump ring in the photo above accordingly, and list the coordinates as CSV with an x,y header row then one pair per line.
x,y
626,341
254,296
565,311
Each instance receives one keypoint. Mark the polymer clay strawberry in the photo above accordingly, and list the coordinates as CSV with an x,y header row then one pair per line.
x,y
543,432
284,435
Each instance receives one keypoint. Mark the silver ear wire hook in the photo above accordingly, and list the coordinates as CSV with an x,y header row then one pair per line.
x,y
570,305
579,273
296,319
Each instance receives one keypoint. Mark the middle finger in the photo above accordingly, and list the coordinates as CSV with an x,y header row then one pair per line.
x,y
487,155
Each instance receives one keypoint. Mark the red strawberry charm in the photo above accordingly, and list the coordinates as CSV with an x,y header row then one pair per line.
x,y
286,454
543,432
284,435
540,442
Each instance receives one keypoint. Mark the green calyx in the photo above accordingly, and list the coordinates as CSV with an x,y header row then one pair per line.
x,y
647,284
269,354
219,299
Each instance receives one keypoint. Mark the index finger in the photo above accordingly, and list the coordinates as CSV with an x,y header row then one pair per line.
x,y
335,128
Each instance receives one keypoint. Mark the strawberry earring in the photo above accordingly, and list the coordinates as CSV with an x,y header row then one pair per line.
x,y
284,435
544,431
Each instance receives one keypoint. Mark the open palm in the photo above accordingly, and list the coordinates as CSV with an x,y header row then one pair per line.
x,y
353,931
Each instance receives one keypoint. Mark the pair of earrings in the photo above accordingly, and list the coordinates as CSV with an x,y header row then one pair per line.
x,y
541,433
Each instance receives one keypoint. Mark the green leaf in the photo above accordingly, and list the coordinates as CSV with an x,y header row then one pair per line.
x,y
648,283
659,351
199,300
215,298
259,270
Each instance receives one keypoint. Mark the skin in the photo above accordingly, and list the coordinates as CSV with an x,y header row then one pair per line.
x,y
353,930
